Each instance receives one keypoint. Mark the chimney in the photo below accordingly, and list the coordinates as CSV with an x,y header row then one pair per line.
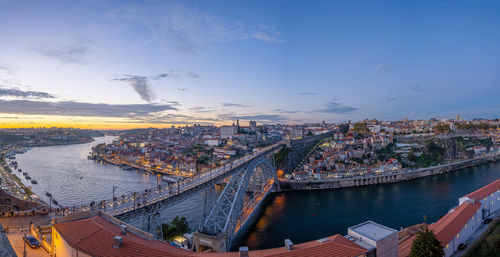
x,y
243,251
123,229
288,244
117,241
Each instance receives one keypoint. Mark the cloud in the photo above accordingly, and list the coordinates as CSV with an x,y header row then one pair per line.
x,y
235,105
74,53
74,108
140,84
257,117
202,109
308,93
181,29
337,108
285,111
182,89
15,92
417,88
383,68
390,99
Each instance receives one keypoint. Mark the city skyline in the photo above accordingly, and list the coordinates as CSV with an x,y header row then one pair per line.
x,y
140,64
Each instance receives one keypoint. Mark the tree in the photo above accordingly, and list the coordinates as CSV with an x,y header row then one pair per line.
x,y
181,224
344,128
360,127
178,226
426,244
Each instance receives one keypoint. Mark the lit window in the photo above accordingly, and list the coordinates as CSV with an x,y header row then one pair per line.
x,y
465,225
447,246
458,235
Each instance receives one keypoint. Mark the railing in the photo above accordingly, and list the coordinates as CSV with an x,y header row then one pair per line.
x,y
153,195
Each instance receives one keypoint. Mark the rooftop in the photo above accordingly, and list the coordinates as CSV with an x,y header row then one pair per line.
x,y
372,230
482,192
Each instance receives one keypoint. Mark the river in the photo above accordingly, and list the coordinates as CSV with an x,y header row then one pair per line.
x,y
299,216
72,179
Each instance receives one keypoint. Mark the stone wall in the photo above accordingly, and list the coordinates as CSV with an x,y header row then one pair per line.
x,y
290,185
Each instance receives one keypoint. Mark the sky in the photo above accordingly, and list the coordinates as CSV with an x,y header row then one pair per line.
x,y
126,64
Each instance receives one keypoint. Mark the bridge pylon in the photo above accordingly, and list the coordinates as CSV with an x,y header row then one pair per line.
x,y
151,222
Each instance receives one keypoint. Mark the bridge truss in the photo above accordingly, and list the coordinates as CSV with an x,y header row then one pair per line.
x,y
244,191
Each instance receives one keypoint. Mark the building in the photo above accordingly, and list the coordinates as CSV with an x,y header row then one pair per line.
x,y
461,222
97,234
379,240
227,131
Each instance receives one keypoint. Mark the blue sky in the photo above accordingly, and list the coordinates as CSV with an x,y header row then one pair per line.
x,y
178,62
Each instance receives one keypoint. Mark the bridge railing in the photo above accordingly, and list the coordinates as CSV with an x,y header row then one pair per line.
x,y
153,195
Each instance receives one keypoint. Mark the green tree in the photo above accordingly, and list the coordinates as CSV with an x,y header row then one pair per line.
x,y
360,127
178,227
344,128
181,224
426,244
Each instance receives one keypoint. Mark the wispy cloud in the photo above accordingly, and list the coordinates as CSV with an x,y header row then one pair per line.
x,y
202,109
141,85
337,108
383,68
24,94
74,108
285,111
390,99
257,117
178,28
417,88
308,93
74,53
235,105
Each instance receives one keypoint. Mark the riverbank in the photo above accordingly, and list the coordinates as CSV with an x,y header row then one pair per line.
x,y
391,177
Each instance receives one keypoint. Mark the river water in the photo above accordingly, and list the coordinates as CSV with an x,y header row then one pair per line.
x,y
72,179
299,216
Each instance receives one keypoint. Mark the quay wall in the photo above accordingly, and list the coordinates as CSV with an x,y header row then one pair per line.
x,y
291,185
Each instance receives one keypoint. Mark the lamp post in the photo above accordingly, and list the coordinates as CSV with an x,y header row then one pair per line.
x,y
114,187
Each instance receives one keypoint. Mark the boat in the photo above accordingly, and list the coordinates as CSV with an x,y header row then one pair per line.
x,y
20,170
55,202
48,194
34,182
28,177
127,168
25,173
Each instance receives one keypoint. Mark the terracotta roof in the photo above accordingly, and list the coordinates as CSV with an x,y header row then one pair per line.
x,y
482,192
95,236
338,246
450,224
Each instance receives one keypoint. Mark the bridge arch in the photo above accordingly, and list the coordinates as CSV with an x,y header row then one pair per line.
x,y
231,209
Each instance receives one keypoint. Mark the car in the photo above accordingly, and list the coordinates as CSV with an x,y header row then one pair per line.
x,y
487,221
32,241
462,246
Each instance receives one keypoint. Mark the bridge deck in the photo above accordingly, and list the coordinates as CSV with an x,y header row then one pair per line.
x,y
154,196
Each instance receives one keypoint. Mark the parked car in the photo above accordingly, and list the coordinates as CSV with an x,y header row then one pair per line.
x,y
487,221
462,246
32,242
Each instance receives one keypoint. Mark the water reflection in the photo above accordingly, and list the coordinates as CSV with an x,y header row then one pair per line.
x,y
310,215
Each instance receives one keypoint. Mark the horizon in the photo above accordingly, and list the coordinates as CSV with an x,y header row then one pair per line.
x,y
134,64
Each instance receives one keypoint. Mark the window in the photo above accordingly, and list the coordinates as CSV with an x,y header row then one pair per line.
x,y
447,246
465,225
458,235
